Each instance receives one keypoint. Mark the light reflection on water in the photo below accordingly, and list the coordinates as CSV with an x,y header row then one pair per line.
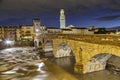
x,y
67,64
40,65
23,64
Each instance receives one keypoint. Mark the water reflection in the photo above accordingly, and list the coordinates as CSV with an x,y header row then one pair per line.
x,y
24,64
67,63
40,66
21,64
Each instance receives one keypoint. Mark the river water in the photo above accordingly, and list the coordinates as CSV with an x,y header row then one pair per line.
x,y
25,64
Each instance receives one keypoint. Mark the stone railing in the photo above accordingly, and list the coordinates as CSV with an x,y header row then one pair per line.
x,y
97,39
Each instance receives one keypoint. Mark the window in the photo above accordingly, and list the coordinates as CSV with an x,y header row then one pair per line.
x,y
27,32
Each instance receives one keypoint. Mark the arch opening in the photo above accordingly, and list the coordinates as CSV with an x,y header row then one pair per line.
x,y
65,57
35,43
98,62
48,48
40,43
64,50
113,64
48,43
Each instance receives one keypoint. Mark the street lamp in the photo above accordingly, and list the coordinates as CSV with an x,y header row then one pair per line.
x,y
37,30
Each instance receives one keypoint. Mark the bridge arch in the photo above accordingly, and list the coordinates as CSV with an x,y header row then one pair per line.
x,y
98,62
74,46
48,43
35,43
64,50
48,46
84,52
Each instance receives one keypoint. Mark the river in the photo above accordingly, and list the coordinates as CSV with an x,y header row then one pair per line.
x,y
25,64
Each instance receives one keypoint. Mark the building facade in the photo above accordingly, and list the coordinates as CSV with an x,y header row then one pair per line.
x,y
75,30
39,31
27,33
10,33
82,31
18,34
53,30
1,33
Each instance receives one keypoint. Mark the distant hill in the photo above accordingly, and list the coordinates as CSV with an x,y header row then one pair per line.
x,y
114,28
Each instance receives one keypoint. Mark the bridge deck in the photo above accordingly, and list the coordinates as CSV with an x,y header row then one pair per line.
x,y
96,39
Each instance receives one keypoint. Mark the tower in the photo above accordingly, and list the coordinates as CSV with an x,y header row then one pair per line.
x,y
36,24
38,33
62,18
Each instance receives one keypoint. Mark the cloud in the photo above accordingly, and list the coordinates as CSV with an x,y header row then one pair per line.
x,y
108,18
27,8
52,6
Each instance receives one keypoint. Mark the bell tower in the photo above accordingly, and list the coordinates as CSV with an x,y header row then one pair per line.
x,y
62,18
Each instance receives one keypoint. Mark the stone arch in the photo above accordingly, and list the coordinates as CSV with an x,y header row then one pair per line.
x,y
48,43
43,40
97,62
48,46
40,43
64,50
76,52
84,51
35,43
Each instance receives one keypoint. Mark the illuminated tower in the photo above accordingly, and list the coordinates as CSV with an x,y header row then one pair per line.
x,y
36,24
62,18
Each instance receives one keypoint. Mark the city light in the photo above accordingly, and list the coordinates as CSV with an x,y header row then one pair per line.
x,y
8,42
37,30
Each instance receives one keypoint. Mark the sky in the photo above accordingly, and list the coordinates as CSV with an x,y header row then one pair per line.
x,y
79,13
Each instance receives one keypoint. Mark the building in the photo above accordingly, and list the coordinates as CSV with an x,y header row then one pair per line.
x,y
38,32
82,31
18,34
10,33
62,19
76,30
67,31
38,28
53,30
100,31
27,33
1,33
91,28
69,27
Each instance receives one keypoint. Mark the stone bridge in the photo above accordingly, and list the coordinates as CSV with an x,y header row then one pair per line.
x,y
91,52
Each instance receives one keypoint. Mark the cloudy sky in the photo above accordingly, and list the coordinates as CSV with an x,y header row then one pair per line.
x,y
80,13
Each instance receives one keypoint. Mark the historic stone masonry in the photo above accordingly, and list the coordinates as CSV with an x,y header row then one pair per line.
x,y
90,56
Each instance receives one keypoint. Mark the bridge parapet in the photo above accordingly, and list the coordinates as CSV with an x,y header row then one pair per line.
x,y
96,39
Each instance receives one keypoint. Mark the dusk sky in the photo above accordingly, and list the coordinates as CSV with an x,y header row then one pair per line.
x,y
80,13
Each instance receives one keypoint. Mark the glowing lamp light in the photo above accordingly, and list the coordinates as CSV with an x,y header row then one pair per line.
x,y
37,30
8,42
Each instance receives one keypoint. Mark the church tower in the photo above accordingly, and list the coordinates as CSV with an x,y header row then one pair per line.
x,y
62,18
